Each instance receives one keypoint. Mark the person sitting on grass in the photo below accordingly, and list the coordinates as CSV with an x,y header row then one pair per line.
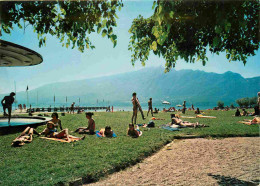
x,y
244,113
237,112
64,134
25,137
135,133
50,128
197,111
106,132
256,108
57,123
56,120
91,125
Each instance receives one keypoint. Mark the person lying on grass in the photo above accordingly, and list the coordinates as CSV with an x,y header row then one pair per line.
x,y
135,133
256,120
178,121
106,132
64,134
91,125
25,137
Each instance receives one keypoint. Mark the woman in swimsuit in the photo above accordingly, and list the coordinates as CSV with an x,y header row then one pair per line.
x,y
26,136
56,120
64,134
136,106
178,121
57,123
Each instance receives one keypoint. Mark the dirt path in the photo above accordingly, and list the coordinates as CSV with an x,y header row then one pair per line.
x,y
230,161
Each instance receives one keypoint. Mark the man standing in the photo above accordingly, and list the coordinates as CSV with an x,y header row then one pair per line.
x,y
258,101
136,106
72,108
7,104
150,107
184,107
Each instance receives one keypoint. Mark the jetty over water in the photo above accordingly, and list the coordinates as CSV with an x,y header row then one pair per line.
x,y
63,109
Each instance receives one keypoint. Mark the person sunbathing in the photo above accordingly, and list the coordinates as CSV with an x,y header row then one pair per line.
x,y
106,132
135,133
25,137
256,120
178,121
91,125
63,134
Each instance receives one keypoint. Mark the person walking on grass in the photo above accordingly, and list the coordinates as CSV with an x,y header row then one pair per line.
x,y
150,107
7,104
136,106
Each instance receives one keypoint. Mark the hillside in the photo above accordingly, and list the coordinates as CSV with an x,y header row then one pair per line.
x,y
197,87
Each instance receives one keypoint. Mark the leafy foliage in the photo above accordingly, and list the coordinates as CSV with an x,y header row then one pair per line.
x,y
245,102
186,29
70,21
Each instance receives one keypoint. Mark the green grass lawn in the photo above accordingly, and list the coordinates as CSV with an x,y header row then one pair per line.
x,y
45,162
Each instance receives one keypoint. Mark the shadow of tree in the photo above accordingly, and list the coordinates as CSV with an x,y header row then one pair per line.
x,y
227,180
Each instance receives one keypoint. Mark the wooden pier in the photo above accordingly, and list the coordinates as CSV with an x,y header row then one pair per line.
x,y
63,109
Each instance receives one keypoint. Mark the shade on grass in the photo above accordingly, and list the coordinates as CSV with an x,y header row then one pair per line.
x,y
49,162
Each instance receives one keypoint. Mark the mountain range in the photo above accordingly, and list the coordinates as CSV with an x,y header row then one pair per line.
x,y
197,87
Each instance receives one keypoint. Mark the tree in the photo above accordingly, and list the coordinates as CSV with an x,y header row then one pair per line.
x,y
245,102
252,101
232,106
221,104
70,21
186,29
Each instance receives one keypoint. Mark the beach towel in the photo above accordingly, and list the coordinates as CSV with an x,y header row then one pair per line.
x,y
189,117
140,132
210,117
153,118
170,128
61,140
99,135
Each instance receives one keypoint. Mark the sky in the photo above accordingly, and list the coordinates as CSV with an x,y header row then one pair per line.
x,y
65,64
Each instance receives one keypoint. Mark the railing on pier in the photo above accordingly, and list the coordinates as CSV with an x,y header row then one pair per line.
x,y
62,109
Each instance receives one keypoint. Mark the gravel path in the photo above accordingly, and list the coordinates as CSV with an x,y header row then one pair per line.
x,y
229,161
